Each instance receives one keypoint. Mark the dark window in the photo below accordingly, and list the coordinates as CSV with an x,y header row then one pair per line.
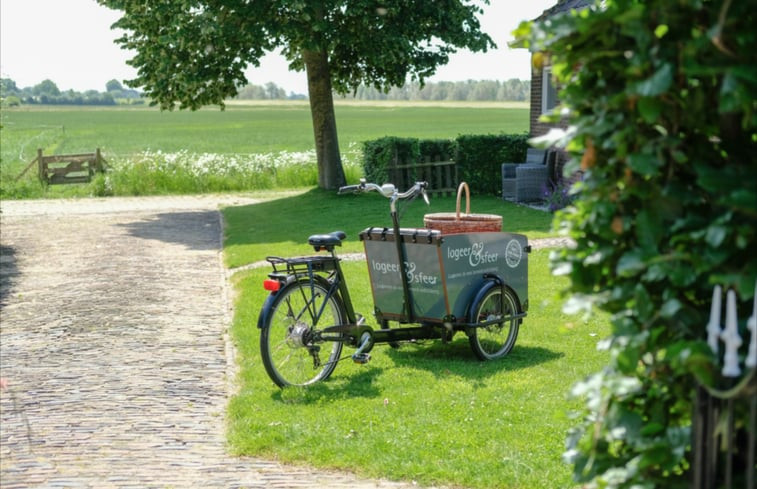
x,y
548,91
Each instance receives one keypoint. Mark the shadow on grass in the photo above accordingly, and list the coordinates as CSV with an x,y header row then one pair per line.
x,y
457,358
350,386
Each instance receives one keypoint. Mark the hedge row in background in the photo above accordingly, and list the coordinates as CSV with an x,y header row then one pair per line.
x,y
478,157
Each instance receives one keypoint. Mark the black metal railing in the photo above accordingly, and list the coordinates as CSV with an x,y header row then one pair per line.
x,y
724,422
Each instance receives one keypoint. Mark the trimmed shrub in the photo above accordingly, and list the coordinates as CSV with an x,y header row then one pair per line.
x,y
380,154
478,158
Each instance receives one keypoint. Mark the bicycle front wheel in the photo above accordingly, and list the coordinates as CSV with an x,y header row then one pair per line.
x,y
495,340
291,348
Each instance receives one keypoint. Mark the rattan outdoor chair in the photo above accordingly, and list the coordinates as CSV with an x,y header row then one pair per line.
x,y
534,157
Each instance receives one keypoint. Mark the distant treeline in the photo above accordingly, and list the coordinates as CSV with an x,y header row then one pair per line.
x,y
464,91
467,91
48,93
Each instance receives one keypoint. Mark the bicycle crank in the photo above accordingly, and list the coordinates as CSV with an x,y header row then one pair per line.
x,y
360,357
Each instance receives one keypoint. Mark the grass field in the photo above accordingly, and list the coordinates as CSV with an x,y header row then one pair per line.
x,y
240,129
246,147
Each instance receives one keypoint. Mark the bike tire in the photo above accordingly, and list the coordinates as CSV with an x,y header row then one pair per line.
x,y
495,340
291,355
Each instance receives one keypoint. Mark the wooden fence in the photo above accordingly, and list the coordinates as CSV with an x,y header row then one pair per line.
x,y
74,168
440,175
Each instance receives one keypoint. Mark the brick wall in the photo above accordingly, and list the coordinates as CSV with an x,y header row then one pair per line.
x,y
536,128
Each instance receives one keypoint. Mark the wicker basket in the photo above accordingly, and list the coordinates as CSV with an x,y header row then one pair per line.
x,y
456,223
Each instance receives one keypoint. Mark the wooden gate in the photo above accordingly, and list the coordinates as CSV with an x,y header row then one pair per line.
x,y
74,168
440,175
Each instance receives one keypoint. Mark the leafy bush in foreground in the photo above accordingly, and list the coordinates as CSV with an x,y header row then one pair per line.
x,y
664,125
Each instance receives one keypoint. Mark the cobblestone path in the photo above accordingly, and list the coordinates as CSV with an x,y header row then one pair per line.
x,y
113,317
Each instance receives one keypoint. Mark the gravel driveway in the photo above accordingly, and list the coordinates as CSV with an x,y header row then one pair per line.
x,y
113,341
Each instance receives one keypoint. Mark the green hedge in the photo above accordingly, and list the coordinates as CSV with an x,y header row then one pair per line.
x,y
379,154
478,157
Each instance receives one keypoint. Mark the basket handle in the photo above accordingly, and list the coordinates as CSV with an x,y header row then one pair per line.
x,y
462,186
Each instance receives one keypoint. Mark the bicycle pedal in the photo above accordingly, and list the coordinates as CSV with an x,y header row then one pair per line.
x,y
361,358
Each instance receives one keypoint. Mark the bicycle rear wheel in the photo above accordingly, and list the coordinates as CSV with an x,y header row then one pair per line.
x,y
292,351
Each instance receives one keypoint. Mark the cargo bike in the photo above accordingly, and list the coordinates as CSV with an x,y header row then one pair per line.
x,y
426,284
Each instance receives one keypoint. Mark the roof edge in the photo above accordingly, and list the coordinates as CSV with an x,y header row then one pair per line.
x,y
564,6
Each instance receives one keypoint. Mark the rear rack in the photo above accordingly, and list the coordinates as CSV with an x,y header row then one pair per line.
x,y
302,265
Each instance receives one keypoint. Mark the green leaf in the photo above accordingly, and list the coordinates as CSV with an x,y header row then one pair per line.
x,y
649,229
630,263
658,83
670,308
652,429
661,30
650,109
716,234
644,164
645,307
627,360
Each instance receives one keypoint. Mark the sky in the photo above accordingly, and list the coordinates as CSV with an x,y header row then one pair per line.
x,y
70,42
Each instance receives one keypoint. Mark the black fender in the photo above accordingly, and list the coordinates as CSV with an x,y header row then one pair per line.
x,y
490,281
265,311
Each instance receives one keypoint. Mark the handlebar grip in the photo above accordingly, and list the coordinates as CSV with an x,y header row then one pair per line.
x,y
348,189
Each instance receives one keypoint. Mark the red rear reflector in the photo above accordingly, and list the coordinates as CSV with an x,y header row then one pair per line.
x,y
272,285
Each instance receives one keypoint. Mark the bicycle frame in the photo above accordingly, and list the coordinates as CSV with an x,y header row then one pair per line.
x,y
334,282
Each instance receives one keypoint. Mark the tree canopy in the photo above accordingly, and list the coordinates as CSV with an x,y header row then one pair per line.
x,y
194,53
46,87
48,93
113,86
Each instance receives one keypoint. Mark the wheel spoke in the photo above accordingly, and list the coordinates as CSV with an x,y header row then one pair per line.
x,y
297,359
497,339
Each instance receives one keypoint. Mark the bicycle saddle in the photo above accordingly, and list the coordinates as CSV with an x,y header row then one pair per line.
x,y
326,241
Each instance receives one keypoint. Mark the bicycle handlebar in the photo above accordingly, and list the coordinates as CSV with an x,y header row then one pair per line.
x,y
349,189
388,190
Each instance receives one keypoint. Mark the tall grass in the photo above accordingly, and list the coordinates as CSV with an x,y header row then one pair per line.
x,y
157,172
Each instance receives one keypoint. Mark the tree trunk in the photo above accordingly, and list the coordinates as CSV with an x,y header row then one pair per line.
x,y
330,171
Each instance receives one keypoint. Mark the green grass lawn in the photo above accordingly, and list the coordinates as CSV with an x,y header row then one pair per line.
x,y
427,412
